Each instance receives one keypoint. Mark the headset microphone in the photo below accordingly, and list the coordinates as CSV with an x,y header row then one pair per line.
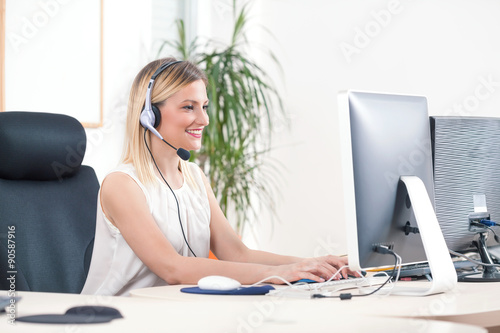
x,y
150,115
183,153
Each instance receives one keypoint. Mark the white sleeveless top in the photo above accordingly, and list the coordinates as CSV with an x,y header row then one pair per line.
x,y
115,269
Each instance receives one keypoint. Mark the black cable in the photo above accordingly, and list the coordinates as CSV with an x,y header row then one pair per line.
x,y
175,197
494,234
345,296
477,262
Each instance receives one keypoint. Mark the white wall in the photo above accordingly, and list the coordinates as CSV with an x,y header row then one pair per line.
x,y
127,47
127,44
52,55
447,50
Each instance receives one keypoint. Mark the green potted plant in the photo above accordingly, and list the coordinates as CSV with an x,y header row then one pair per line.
x,y
243,105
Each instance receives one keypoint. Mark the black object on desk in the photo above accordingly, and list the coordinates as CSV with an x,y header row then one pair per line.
x,y
76,315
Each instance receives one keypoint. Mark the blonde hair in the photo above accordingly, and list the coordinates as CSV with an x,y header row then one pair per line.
x,y
170,81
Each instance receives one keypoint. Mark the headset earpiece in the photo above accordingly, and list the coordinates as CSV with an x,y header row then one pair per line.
x,y
150,119
156,116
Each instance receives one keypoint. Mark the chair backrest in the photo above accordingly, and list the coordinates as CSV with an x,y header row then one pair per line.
x,y
48,203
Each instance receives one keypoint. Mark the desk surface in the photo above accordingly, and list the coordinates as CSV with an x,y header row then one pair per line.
x,y
470,303
262,314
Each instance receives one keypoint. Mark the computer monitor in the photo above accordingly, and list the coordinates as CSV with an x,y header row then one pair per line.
x,y
466,155
388,183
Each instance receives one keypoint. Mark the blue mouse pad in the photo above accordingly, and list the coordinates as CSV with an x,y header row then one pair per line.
x,y
261,290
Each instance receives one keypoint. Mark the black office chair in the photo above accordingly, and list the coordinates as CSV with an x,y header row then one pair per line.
x,y
48,203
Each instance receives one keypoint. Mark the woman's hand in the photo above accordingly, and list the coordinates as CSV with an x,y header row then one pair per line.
x,y
318,269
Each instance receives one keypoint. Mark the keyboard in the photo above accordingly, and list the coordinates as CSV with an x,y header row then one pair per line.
x,y
342,284
304,290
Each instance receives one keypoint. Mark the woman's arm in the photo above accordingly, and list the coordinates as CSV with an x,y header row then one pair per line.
x,y
226,245
125,206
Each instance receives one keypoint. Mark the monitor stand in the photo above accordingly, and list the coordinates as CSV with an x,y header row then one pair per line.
x,y
490,273
444,276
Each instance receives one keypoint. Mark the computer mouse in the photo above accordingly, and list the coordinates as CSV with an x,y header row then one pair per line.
x,y
217,282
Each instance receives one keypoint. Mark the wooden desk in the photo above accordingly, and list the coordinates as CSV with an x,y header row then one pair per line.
x,y
470,303
222,314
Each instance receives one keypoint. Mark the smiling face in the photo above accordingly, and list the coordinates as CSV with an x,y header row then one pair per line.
x,y
184,115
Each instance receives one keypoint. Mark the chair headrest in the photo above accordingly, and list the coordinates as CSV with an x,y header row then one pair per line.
x,y
40,146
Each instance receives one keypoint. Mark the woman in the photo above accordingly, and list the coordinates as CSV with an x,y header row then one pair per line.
x,y
157,216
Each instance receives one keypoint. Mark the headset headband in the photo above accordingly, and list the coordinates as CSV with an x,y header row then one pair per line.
x,y
147,104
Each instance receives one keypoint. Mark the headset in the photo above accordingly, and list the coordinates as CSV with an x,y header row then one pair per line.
x,y
150,119
151,116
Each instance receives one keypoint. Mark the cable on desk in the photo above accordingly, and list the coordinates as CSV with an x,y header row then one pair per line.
x,y
395,274
272,277
477,262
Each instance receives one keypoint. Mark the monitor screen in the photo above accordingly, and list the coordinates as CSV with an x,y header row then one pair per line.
x,y
383,137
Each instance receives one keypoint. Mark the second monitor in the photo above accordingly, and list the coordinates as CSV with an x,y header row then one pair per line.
x,y
466,154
